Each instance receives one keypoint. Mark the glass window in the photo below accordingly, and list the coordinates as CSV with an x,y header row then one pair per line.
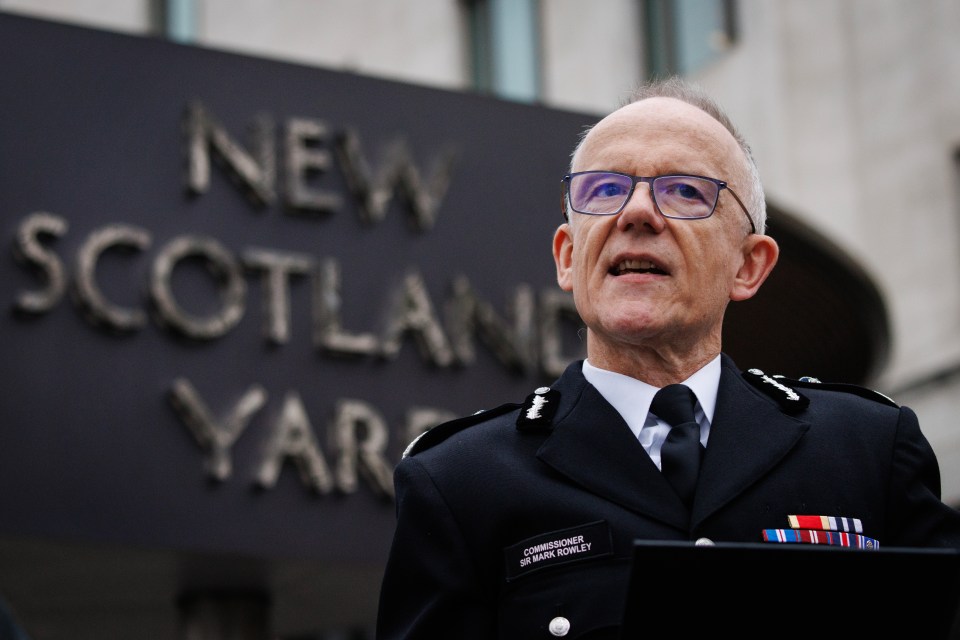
x,y
686,35
179,19
505,47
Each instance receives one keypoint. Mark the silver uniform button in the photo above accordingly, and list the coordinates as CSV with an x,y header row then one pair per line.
x,y
559,626
703,542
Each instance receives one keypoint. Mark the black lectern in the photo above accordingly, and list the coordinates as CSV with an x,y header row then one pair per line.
x,y
790,590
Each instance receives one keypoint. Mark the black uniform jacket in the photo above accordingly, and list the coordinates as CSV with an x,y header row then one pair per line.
x,y
522,514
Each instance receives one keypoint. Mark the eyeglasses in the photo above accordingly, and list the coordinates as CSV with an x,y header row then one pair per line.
x,y
606,193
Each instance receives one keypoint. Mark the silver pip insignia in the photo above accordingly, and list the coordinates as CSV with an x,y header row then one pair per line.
x,y
538,409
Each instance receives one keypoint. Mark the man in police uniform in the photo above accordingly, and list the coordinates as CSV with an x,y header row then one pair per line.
x,y
518,522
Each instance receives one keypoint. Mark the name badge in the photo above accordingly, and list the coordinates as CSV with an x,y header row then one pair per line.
x,y
590,540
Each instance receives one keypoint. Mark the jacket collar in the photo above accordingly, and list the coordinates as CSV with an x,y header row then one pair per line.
x,y
591,444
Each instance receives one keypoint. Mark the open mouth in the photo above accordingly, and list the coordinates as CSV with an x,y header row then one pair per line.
x,y
636,266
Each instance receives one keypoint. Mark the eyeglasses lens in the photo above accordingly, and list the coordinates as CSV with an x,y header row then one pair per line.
x,y
685,196
599,192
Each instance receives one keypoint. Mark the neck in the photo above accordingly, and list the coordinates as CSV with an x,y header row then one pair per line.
x,y
655,366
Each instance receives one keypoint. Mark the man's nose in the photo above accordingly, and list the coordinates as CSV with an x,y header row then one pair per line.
x,y
641,211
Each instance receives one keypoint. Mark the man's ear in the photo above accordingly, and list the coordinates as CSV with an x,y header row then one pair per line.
x,y
760,254
563,256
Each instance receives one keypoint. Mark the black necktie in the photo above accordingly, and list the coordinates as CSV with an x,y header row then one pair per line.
x,y
680,455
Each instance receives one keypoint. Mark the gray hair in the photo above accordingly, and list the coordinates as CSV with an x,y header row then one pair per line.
x,y
680,89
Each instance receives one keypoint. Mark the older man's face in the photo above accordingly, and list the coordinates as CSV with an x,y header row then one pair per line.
x,y
642,280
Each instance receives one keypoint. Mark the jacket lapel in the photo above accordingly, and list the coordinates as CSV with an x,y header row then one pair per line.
x,y
748,437
592,445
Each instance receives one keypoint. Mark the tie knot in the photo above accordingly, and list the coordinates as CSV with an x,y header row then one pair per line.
x,y
674,404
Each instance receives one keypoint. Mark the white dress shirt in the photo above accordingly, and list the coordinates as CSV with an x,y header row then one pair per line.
x,y
631,398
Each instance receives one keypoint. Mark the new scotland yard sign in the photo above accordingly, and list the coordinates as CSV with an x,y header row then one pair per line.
x,y
237,288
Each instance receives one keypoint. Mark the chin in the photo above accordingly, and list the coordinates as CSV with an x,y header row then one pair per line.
x,y
633,325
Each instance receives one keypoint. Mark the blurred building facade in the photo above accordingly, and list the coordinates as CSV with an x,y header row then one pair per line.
x,y
852,108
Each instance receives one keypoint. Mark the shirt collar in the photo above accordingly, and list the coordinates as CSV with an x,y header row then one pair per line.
x,y
631,397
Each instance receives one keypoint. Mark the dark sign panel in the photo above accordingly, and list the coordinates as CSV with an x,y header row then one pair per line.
x,y
237,288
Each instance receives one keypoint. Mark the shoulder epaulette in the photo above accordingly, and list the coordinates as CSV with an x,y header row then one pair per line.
x,y
441,432
785,390
809,382
790,400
